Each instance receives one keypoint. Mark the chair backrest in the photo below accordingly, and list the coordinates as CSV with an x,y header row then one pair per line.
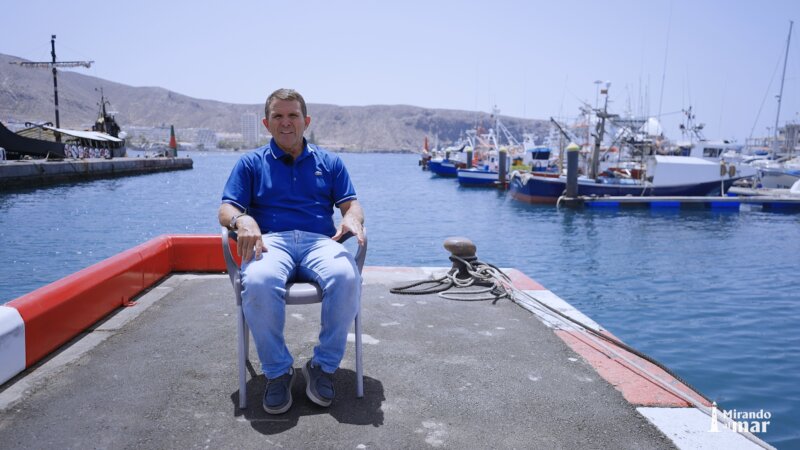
x,y
296,293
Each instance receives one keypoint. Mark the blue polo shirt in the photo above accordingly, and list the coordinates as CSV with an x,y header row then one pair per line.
x,y
282,195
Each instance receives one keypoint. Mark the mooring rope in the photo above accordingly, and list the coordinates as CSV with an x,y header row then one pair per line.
x,y
484,282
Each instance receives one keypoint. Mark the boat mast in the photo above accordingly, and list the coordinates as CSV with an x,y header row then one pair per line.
x,y
54,65
780,94
102,104
601,129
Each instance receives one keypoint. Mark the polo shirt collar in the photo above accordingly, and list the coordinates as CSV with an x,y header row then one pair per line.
x,y
278,153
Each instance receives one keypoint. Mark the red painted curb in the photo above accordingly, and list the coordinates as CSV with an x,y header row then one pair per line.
x,y
59,311
636,389
627,379
522,281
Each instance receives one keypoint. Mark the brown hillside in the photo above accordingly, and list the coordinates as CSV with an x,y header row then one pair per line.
x,y
27,95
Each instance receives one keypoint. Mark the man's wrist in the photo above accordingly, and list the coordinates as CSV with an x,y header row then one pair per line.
x,y
234,219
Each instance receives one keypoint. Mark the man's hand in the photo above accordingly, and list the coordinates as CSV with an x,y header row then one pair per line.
x,y
248,243
352,221
352,226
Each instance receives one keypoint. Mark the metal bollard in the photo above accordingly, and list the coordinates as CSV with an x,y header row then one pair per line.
x,y
463,248
501,172
572,170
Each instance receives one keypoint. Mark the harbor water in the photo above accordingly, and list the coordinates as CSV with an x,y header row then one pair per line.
x,y
713,295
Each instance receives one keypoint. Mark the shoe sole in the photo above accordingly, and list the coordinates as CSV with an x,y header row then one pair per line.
x,y
285,407
310,393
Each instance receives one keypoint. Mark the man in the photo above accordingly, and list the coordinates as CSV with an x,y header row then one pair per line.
x,y
280,200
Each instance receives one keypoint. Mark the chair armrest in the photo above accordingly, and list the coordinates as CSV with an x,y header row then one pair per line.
x,y
230,263
361,253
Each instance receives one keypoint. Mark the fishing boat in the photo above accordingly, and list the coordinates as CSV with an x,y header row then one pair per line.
x,y
693,143
645,172
780,174
447,165
486,174
662,176
488,156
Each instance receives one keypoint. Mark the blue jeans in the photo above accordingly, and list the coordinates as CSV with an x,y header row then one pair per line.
x,y
300,256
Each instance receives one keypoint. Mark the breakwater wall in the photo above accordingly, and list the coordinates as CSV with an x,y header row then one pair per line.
x,y
14,174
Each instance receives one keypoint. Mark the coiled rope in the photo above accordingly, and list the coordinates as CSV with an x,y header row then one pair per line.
x,y
484,282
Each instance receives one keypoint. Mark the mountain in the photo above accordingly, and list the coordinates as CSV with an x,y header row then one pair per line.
x,y
26,94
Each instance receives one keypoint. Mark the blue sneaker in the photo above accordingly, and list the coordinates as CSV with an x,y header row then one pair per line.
x,y
278,394
319,385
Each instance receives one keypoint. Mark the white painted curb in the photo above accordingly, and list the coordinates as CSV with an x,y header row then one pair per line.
x,y
689,429
12,343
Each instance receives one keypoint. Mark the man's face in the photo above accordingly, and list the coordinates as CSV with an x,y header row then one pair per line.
x,y
286,124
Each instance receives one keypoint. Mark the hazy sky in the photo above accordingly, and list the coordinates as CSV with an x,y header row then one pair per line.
x,y
532,59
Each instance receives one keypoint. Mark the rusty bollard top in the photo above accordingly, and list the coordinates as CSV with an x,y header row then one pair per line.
x,y
460,246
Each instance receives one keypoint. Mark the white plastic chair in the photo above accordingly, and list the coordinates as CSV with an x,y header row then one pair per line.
x,y
296,294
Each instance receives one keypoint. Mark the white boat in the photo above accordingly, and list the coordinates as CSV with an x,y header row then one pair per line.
x,y
722,151
778,174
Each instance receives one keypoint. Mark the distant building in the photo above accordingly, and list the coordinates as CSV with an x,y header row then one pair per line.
x,y
142,137
203,138
250,129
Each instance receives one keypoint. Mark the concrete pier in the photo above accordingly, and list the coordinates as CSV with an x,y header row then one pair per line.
x,y
31,173
438,373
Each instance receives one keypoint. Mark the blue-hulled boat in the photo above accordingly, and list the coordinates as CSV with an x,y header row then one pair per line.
x,y
445,167
478,177
663,176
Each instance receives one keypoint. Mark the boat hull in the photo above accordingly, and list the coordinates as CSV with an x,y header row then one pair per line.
x,y
443,168
13,142
547,190
778,178
477,178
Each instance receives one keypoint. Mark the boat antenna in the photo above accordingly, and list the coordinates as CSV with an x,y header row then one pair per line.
x,y
780,94
53,64
664,71
102,103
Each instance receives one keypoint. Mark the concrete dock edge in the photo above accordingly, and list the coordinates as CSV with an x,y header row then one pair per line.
x,y
28,173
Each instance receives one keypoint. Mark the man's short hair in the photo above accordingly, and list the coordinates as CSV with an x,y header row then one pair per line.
x,y
285,94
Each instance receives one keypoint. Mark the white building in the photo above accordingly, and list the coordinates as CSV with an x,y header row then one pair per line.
x,y
250,128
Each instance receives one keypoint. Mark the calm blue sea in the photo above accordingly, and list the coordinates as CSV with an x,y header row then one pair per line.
x,y
713,295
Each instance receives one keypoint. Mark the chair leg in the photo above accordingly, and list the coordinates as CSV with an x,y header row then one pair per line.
x,y
243,350
359,366
246,341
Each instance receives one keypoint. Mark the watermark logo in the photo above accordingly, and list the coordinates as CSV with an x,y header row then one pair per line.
x,y
739,421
